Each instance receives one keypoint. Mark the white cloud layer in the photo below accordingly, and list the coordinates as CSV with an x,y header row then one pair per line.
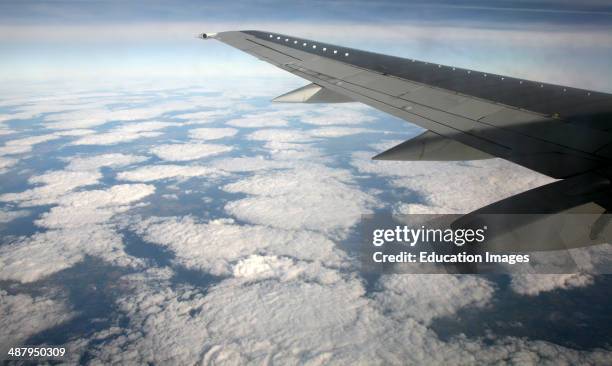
x,y
278,135
425,297
188,151
212,133
22,316
204,116
93,207
10,215
95,162
454,187
52,185
160,172
327,132
534,284
249,164
310,196
29,259
242,320
215,246
257,121
124,133
6,163
24,145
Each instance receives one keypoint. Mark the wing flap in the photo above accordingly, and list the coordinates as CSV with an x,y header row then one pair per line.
x,y
312,93
429,146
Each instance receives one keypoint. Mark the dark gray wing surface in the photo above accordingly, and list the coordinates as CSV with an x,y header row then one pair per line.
x,y
556,130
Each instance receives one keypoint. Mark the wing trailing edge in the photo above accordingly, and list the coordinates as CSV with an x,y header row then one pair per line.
x,y
430,146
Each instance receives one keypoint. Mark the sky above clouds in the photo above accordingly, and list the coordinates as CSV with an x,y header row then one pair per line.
x,y
561,42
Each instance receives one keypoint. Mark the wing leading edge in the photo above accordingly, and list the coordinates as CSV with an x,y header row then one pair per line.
x,y
559,131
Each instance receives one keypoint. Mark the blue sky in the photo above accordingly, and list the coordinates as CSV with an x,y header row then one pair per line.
x,y
560,42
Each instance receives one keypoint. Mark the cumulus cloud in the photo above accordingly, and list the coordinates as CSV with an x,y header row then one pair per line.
x,y
212,133
22,316
25,144
242,321
6,163
278,135
310,196
6,131
80,228
10,215
258,121
95,162
188,151
54,184
83,117
94,206
216,245
29,259
76,132
454,187
425,297
204,116
249,164
534,284
167,171
337,131
124,133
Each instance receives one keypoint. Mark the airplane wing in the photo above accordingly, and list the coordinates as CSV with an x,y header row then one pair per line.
x,y
559,131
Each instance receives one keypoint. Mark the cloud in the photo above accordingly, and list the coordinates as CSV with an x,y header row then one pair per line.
x,y
54,184
327,132
124,133
212,133
25,144
309,196
188,151
96,162
453,187
6,131
76,132
80,228
288,144
534,284
215,246
93,207
257,121
425,297
84,117
258,267
249,164
22,316
257,320
10,215
160,172
6,163
29,259
277,135
203,116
